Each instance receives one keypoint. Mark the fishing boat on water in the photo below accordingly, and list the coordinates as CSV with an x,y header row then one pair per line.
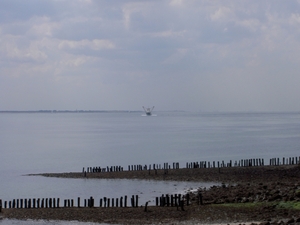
x,y
148,111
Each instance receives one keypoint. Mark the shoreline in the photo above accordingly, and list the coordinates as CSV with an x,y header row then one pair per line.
x,y
220,175
246,194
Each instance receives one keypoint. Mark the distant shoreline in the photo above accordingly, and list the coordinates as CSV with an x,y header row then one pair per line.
x,y
68,111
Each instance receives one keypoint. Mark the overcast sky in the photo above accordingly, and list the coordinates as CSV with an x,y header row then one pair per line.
x,y
194,55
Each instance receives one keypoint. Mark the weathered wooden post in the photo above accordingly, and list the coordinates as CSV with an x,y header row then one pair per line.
x,y
33,203
65,203
125,201
200,199
104,200
14,203
108,202
117,202
17,203
132,201
112,202
5,204
136,201
50,202
182,204
168,200
91,201
46,203
25,203
145,210
121,202
78,202
187,199
29,203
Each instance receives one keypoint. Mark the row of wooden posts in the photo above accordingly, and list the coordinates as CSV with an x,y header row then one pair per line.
x,y
245,163
177,200
201,164
55,202
285,161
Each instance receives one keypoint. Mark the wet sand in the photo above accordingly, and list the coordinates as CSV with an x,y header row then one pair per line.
x,y
265,194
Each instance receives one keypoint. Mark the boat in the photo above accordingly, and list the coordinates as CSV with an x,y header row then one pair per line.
x,y
148,111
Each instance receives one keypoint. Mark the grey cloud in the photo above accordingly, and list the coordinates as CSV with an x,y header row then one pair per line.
x,y
194,55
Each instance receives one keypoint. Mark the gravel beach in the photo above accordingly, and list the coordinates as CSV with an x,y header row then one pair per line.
x,y
265,194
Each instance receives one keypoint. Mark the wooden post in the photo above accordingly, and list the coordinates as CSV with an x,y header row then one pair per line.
x,y
121,202
108,202
112,202
50,202
17,203
125,201
46,203
187,199
145,210
200,199
132,201
91,201
136,201
100,202
0,205
78,202
117,202
181,205
14,203
5,204
168,200
33,203
29,203
104,199
25,203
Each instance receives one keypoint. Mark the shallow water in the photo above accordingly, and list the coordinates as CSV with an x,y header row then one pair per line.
x,y
67,142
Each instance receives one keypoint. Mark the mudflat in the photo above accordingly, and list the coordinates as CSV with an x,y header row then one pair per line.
x,y
262,194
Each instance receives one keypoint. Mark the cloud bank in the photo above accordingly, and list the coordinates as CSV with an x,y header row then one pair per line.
x,y
177,55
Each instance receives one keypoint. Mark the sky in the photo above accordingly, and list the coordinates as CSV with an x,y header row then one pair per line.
x,y
192,55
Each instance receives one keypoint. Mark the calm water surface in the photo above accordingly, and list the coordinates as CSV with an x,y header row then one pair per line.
x,y
65,142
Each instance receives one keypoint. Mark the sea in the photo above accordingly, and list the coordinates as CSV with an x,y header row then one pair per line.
x,y
70,141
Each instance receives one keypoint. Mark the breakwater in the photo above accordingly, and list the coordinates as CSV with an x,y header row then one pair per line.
x,y
199,164
168,200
